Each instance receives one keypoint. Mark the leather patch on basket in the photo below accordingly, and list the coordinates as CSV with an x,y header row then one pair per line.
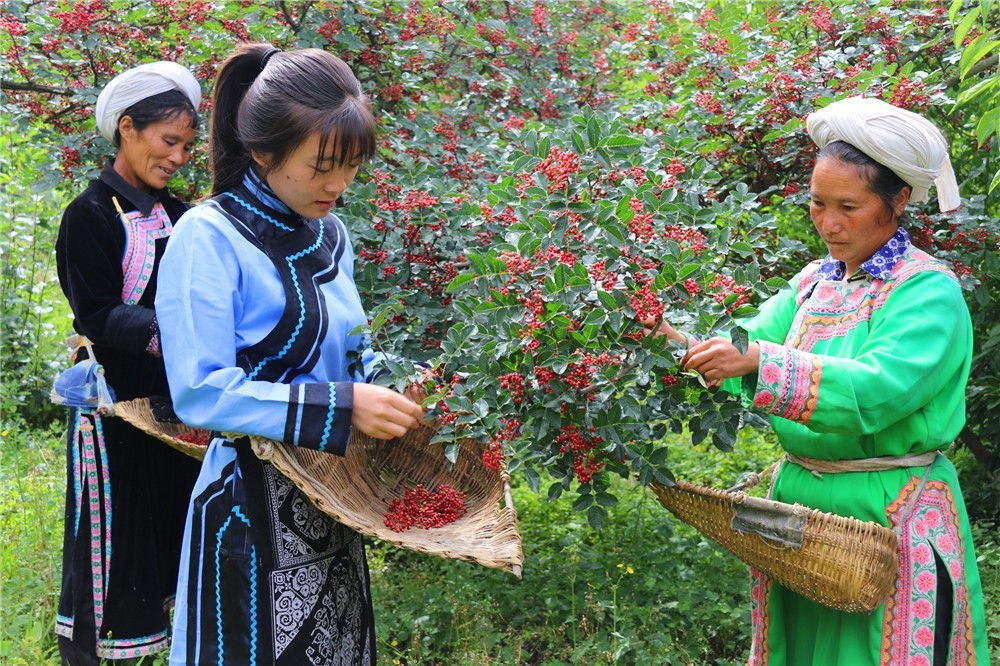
x,y
773,521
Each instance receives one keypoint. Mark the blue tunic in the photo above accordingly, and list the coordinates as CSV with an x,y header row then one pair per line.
x,y
256,334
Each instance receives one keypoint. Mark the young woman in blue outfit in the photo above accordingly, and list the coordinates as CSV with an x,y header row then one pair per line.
x,y
256,332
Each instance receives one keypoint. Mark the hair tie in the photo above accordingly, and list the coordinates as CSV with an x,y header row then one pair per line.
x,y
267,56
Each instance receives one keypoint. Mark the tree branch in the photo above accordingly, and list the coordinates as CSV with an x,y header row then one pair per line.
x,y
983,455
26,86
283,6
980,66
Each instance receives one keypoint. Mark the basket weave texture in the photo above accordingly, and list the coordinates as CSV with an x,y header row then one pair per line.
x,y
356,490
844,563
139,414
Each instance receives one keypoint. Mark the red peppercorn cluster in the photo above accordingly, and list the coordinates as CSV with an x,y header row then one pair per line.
x,y
421,508
687,238
558,167
724,286
585,463
493,455
196,436
514,384
646,304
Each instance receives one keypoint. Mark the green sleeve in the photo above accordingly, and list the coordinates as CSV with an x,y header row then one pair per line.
x,y
771,323
915,353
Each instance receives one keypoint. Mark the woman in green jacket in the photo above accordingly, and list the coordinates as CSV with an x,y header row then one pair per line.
x,y
862,366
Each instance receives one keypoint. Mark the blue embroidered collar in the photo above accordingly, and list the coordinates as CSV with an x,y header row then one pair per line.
x,y
259,189
879,265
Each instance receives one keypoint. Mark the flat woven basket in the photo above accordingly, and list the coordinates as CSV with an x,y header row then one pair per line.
x,y
843,563
139,414
356,490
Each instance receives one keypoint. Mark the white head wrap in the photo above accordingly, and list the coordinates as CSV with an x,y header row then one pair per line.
x,y
136,85
903,141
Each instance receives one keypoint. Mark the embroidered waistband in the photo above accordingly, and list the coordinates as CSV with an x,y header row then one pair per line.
x,y
881,464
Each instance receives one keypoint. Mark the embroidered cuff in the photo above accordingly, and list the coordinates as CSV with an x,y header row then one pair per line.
x,y
787,382
321,415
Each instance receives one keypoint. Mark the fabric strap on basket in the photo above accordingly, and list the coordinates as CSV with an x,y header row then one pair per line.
x,y
786,527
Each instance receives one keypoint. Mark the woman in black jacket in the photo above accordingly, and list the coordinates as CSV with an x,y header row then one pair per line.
x,y
126,492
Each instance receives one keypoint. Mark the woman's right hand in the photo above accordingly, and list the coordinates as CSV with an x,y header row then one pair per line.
x,y
382,413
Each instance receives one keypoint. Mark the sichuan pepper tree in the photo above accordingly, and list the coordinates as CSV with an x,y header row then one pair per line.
x,y
595,229
551,171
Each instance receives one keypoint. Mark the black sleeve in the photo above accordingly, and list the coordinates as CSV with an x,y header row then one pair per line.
x,y
88,257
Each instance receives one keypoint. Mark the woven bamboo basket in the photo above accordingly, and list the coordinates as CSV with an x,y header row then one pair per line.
x,y
843,563
356,490
139,414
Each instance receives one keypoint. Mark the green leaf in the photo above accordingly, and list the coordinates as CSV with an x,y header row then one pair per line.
x,y
623,144
963,28
740,338
459,280
582,502
953,10
607,300
988,125
724,440
606,499
593,133
742,249
596,516
686,270
976,51
531,476
776,283
555,491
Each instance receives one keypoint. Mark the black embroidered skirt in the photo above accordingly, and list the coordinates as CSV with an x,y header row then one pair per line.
x,y
268,578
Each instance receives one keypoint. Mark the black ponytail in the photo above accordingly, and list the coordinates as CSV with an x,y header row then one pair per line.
x,y
230,156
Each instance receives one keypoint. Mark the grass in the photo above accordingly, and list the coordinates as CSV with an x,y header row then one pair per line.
x,y
644,589
33,479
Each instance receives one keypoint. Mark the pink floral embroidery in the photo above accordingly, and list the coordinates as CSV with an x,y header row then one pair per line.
x,y
933,519
824,316
922,609
771,373
908,622
955,568
788,382
925,581
138,259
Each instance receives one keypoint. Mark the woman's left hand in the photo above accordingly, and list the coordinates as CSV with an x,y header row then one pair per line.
x,y
716,359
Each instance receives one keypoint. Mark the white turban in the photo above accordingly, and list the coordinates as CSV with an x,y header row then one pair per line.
x,y
136,85
908,144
